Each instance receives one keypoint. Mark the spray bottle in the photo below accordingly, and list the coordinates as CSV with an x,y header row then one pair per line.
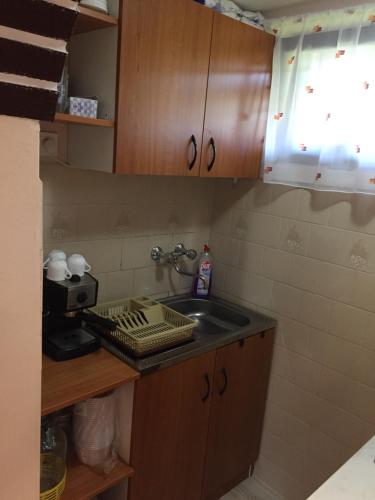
x,y
203,281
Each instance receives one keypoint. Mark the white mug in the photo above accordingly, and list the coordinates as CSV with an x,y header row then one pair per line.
x,y
54,255
77,264
57,270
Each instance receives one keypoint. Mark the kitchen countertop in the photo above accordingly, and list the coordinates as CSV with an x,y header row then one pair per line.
x,y
199,345
354,481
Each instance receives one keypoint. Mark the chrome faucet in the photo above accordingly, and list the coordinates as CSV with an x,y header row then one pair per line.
x,y
173,258
161,257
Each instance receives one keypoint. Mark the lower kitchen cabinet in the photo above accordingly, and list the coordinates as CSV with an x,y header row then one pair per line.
x,y
170,425
237,411
197,425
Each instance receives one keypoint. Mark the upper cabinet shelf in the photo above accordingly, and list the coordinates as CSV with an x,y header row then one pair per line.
x,y
91,20
82,120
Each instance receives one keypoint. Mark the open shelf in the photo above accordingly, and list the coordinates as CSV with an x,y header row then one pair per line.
x,y
91,20
82,120
83,482
68,382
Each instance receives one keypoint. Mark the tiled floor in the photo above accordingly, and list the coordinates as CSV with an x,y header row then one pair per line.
x,y
252,489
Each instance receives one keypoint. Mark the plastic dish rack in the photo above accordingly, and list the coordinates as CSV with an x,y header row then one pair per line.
x,y
144,326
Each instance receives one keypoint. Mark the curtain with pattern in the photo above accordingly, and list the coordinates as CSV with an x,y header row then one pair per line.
x,y
321,132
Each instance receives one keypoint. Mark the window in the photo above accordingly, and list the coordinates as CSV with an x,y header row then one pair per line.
x,y
320,132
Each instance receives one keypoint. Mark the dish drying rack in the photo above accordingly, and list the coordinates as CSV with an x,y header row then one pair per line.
x,y
142,326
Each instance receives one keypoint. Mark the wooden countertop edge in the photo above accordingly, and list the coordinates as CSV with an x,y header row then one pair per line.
x,y
55,399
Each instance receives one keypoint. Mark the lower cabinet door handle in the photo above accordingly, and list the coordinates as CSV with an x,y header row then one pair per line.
x,y
213,148
225,377
208,392
195,145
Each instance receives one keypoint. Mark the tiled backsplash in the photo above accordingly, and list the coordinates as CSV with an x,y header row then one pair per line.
x,y
116,220
307,258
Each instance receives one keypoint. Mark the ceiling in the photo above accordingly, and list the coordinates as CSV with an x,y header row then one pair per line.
x,y
264,5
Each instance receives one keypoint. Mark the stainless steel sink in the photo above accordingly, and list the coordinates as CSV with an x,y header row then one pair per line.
x,y
212,317
219,323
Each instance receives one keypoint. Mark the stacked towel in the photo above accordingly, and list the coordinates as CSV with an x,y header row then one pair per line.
x,y
230,9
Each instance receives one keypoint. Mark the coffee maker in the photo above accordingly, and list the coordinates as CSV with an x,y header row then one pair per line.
x,y
65,333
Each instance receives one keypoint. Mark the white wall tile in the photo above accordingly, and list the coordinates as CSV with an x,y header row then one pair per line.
x,y
264,229
303,273
315,310
259,290
120,284
364,291
296,368
59,224
284,201
154,280
258,197
287,427
349,323
314,206
276,264
295,336
240,224
325,243
237,282
250,257
286,300
333,387
335,282
295,236
136,252
225,249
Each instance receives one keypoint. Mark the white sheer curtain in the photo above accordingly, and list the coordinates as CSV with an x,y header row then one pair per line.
x,y
321,131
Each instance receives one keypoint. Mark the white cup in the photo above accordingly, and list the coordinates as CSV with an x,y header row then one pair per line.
x,y
54,255
77,264
57,270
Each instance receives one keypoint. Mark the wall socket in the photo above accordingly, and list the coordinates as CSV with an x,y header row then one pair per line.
x,y
48,144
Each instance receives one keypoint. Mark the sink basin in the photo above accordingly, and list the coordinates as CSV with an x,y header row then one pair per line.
x,y
211,316
219,323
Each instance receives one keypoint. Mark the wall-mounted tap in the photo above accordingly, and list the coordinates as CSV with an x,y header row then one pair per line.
x,y
173,258
161,257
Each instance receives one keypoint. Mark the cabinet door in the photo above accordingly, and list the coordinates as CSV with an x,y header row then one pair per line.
x,y
237,99
163,70
237,411
170,426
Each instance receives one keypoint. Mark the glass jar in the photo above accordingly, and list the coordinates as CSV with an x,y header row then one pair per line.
x,y
53,448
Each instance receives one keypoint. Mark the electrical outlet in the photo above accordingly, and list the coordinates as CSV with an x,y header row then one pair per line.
x,y
48,144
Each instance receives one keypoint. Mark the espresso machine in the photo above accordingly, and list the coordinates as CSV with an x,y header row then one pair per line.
x,y
65,332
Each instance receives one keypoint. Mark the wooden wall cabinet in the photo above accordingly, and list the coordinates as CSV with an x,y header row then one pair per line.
x,y
193,91
165,51
197,425
238,89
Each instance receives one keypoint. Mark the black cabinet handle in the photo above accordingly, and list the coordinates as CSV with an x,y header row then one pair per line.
x,y
225,375
194,142
208,392
213,147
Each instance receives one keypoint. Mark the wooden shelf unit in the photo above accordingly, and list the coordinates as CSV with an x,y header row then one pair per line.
x,y
83,482
91,20
68,382
82,120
